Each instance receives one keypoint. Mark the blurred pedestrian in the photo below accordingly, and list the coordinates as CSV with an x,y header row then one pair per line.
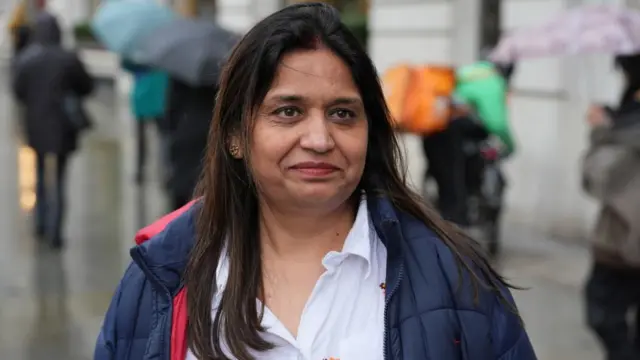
x,y
189,114
611,174
21,34
480,104
50,82
306,241
148,104
18,26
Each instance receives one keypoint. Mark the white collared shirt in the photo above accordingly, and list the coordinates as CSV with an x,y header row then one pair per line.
x,y
344,316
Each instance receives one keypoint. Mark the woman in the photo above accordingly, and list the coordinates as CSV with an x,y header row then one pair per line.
x,y
611,176
307,242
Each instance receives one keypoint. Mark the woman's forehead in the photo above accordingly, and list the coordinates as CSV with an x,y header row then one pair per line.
x,y
312,65
312,72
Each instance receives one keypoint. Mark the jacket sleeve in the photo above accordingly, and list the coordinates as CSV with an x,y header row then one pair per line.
x,y
605,167
108,346
18,81
81,81
132,67
509,333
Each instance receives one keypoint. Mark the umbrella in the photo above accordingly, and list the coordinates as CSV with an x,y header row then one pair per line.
x,y
589,29
118,24
189,50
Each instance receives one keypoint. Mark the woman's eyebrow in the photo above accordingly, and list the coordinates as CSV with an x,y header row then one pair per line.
x,y
346,100
290,98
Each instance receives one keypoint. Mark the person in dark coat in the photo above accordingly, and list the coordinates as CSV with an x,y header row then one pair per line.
x,y
45,75
189,113
611,176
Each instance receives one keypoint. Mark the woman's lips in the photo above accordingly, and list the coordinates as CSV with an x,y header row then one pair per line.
x,y
315,169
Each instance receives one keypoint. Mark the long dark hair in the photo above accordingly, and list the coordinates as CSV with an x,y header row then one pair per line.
x,y
228,219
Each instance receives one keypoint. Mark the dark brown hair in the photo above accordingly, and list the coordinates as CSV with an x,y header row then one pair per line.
x,y
228,219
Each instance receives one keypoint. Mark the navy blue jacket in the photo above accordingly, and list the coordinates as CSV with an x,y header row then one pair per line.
x,y
424,320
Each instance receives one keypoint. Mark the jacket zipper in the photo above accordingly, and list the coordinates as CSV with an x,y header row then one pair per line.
x,y
386,315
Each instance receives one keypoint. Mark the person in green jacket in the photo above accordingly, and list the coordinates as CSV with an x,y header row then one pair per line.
x,y
148,102
484,86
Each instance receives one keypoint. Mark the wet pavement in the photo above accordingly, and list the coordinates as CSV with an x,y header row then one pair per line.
x,y
51,304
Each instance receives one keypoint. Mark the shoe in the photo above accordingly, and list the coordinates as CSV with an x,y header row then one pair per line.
x,y
139,179
56,243
39,232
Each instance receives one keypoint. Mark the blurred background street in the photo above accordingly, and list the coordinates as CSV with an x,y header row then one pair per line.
x,y
52,301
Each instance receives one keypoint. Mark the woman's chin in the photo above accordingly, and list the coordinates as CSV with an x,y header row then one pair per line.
x,y
319,195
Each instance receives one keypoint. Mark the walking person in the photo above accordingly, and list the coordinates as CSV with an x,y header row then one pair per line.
x,y
18,27
47,78
480,98
189,114
148,105
305,241
611,175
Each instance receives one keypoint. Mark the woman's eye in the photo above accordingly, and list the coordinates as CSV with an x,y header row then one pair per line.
x,y
288,112
343,114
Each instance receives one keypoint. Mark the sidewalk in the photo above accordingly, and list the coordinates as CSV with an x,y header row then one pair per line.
x,y
553,273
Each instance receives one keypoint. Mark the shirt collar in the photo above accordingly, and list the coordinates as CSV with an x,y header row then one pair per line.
x,y
360,238
359,242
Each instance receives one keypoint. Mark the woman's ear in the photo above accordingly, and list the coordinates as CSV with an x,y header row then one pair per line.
x,y
234,148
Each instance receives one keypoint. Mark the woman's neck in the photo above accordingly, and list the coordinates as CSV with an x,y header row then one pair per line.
x,y
292,235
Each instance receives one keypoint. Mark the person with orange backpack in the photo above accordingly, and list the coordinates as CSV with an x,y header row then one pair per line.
x,y
450,107
420,99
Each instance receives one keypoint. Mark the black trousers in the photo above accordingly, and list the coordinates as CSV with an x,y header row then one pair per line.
x,y
142,148
448,164
611,295
178,201
50,197
445,156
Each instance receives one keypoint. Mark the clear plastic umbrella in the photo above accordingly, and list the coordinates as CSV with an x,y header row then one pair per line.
x,y
119,24
589,29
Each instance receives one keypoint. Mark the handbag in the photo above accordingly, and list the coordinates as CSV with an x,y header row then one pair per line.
x,y
76,114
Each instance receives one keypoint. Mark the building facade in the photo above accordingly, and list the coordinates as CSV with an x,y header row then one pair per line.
x,y
549,100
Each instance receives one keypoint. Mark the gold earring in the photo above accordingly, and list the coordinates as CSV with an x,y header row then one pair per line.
x,y
234,150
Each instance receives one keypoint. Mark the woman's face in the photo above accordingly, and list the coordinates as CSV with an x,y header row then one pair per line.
x,y
310,137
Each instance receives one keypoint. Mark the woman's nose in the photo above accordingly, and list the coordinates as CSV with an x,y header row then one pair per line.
x,y
316,136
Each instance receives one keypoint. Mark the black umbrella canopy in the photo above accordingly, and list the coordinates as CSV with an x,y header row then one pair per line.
x,y
189,50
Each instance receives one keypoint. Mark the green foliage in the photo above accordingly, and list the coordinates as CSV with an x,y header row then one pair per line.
x,y
356,20
83,33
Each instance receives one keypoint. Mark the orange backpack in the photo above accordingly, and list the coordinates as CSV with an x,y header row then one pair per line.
x,y
418,97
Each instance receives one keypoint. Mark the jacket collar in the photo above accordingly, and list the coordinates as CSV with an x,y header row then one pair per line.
x,y
164,257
